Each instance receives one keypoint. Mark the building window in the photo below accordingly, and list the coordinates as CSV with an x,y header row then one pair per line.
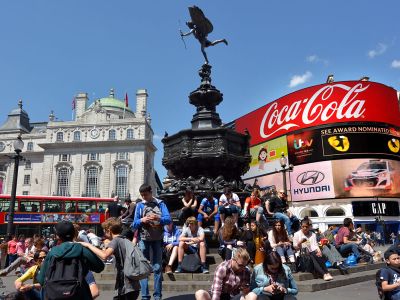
x,y
64,157
29,146
122,155
112,135
122,181
93,156
27,179
60,136
92,182
63,182
1,185
25,193
129,134
28,164
77,136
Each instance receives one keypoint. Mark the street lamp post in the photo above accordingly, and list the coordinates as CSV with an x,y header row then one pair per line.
x,y
283,161
18,145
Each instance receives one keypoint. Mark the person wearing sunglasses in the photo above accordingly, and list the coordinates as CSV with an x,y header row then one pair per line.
x,y
231,279
31,291
272,280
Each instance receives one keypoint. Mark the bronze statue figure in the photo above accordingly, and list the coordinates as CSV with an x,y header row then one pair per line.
x,y
200,27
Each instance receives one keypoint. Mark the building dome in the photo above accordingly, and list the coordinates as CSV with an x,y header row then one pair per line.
x,y
111,102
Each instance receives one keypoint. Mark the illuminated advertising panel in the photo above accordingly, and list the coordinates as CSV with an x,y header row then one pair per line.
x,y
338,102
360,140
304,147
265,157
354,140
312,181
366,178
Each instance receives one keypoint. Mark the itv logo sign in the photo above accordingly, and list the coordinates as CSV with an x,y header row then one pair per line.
x,y
302,143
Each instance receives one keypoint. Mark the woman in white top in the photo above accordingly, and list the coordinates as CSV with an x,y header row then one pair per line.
x,y
304,238
279,240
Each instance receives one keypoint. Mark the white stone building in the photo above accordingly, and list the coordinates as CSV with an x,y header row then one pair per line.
x,y
107,150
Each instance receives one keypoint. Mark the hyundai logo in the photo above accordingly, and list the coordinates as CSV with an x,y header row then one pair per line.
x,y
310,177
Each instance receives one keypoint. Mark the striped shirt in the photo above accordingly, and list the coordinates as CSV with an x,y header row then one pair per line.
x,y
227,281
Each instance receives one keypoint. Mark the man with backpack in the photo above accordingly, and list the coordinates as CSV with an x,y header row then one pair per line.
x,y
388,278
150,217
66,266
126,288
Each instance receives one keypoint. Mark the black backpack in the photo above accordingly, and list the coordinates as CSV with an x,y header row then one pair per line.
x,y
65,279
191,263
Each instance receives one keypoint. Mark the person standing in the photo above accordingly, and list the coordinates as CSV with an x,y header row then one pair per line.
x,y
150,217
12,250
114,209
126,289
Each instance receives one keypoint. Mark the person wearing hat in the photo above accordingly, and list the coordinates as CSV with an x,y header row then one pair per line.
x,y
390,275
68,249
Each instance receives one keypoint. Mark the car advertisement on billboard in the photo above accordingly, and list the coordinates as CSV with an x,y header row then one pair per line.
x,y
265,157
312,181
366,177
271,181
332,103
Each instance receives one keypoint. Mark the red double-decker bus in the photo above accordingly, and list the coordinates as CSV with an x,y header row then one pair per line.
x,y
37,214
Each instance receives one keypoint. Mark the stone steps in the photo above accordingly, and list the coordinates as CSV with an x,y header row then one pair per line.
x,y
314,285
189,282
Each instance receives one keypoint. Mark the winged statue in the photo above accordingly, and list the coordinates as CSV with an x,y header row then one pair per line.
x,y
200,27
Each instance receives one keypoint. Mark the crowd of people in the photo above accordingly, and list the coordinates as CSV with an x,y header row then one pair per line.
x,y
261,244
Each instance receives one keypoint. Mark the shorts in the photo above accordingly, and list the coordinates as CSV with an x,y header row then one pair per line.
x,y
228,210
191,250
90,278
200,217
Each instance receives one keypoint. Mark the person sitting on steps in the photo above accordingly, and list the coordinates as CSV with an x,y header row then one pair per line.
x,y
192,240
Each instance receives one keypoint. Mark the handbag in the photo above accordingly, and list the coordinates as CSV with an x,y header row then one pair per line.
x,y
304,261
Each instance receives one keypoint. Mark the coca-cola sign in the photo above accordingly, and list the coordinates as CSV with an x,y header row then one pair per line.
x,y
339,102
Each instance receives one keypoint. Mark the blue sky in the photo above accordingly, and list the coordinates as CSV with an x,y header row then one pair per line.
x,y
50,50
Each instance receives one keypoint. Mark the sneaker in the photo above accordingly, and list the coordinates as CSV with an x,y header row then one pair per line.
x,y
178,269
204,270
168,269
328,277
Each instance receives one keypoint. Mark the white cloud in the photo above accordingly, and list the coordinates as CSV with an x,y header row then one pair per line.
x,y
316,59
396,64
379,50
300,79
312,58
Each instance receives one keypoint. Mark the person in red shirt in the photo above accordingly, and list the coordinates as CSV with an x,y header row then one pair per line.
x,y
346,240
252,204
12,249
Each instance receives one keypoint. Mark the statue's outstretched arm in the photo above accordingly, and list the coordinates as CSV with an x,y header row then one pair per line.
x,y
187,33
